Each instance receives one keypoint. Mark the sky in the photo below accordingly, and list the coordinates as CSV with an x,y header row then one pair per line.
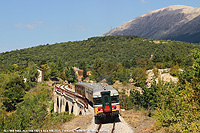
x,y
29,23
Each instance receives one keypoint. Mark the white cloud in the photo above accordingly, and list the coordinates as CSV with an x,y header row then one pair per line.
x,y
29,26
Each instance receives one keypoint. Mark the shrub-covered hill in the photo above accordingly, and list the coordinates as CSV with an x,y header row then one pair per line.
x,y
110,48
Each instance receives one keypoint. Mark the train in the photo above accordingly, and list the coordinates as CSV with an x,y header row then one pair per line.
x,y
104,99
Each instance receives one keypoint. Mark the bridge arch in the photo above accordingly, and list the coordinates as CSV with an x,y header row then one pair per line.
x,y
57,101
66,106
67,100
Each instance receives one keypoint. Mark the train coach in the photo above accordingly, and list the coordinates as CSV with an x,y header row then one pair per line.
x,y
105,98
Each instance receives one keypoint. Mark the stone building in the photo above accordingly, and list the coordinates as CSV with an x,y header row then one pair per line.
x,y
79,73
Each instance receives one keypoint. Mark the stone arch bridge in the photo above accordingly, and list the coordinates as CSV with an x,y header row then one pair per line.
x,y
66,99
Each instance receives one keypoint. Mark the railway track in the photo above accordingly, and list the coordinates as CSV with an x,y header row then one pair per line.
x,y
100,125
115,126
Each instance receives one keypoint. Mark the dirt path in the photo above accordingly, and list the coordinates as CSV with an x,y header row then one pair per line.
x,y
139,121
80,122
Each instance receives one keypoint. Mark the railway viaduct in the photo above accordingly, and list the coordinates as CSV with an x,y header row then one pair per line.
x,y
66,99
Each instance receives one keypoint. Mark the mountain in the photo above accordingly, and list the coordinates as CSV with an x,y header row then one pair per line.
x,y
178,22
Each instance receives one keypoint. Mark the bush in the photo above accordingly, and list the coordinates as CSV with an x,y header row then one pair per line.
x,y
56,119
12,91
139,76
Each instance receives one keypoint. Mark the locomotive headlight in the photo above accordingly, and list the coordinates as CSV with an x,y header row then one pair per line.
x,y
99,108
114,107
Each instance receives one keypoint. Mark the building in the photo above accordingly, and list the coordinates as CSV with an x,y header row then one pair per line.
x,y
41,74
89,73
79,73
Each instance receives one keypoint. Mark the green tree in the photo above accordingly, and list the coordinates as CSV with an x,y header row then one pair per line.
x,y
98,68
123,98
70,75
148,98
59,64
179,105
32,113
196,64
13,91
174,71
178,108
83,66
124,75
139,76
136,97
31,74
53,70
46,69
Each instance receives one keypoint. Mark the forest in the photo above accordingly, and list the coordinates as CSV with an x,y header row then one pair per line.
x,y
122,49
174,106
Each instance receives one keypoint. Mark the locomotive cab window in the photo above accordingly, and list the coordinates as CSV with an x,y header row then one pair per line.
x,y
115,99
97,101
106,99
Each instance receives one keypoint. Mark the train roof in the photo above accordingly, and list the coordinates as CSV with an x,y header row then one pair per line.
x,y
98,88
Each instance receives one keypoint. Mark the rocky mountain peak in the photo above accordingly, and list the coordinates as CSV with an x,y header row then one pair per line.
x,y
164,23
177,8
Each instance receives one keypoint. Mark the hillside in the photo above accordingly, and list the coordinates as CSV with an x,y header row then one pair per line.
x,y
31,106
110,48
176,22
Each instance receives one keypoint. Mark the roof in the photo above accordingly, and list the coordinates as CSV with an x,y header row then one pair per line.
x,y
77,69
89,72
39,68
98,88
